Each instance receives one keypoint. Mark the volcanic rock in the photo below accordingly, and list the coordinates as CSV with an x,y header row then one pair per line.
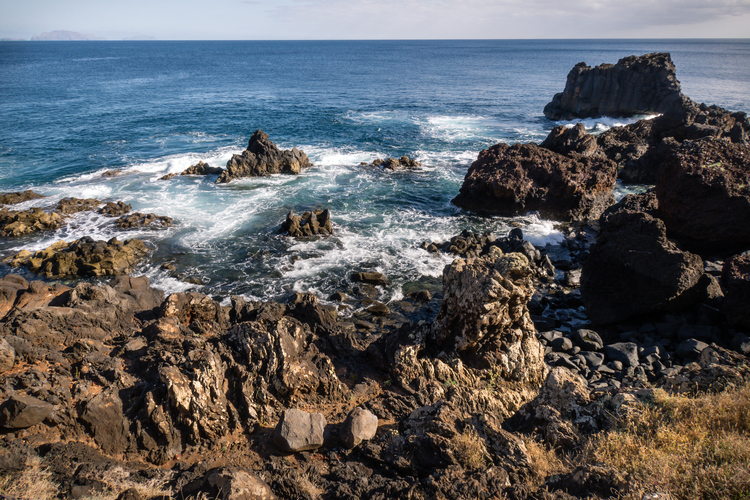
x,y
360,425
18,223
137,220
202,168
704,194
10,287
261,158
393,164
299,431
112,209
233,483
84,257
635,269
7,355
514,180
566,140
309,224
371,278
20,412
635,85
73,205
18,197
736,278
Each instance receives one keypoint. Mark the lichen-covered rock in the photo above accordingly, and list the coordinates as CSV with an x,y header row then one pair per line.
x,y
514,180
704,194
262,157
308,224
635,85
299,431
84,257
17,223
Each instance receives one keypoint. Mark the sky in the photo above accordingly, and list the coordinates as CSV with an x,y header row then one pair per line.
x,y
377,19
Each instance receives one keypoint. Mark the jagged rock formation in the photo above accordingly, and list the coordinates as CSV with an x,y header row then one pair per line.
x,y
514,180
84,257
73,205
308,224
704,194
202,168
633,268
262,157
635,85
137,220
112,209
17,223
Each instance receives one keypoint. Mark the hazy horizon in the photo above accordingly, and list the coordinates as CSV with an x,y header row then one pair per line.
x,y
379,20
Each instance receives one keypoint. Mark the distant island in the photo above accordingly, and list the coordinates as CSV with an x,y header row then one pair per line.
x,y
62,35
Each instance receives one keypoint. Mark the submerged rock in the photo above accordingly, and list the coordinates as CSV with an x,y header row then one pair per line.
x,y
261,158
635,85
137,220
514,180
308,224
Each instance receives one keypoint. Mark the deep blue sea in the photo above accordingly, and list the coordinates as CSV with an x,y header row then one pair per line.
x,y
69,111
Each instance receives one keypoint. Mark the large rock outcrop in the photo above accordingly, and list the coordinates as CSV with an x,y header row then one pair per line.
x,y
704,194
513,180
20,222
262,157
635,85
633,268
84,257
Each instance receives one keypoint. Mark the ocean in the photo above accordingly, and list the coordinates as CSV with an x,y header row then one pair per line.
x,y
73,110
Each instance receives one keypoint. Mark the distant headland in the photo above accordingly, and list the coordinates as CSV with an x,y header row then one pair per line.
x,y
63,35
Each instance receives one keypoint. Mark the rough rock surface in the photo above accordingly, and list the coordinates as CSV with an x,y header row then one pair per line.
x,y
299,431
635,85
84,257
202,168
514,180
18,223
566,140
360,425
262,157
7,355
115,209
137,220
371,277
20,412
736,278
704,194
73,205
634,269
18,197
233,483
393,164
308,224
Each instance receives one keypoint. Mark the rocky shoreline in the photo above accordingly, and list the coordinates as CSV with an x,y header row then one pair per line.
x,y
462,391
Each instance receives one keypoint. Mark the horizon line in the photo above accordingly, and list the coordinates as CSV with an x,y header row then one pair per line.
x,y
11,39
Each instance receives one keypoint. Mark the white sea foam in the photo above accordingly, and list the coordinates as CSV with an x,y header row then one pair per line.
x,y
604,123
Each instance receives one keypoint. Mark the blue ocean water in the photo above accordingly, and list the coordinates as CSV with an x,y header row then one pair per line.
x,y
71,111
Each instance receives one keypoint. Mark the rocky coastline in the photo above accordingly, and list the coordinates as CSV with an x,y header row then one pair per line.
x,y
466,391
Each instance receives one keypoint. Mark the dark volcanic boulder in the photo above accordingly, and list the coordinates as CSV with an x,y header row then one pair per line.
x,y
202,168
736,277
112,209
635,85
513,180
308,224
393,164
262,157
18,197
704,194
635,269
566,140
84,257
137,220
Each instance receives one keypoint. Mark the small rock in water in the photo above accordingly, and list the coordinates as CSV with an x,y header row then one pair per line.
x,y
370,278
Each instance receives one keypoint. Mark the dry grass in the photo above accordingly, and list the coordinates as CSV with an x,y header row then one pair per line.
x,y
691,447
544,461
469,449
33,483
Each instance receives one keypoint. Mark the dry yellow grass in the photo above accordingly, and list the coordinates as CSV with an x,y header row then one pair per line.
x,y
34,482
690,447
470,449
